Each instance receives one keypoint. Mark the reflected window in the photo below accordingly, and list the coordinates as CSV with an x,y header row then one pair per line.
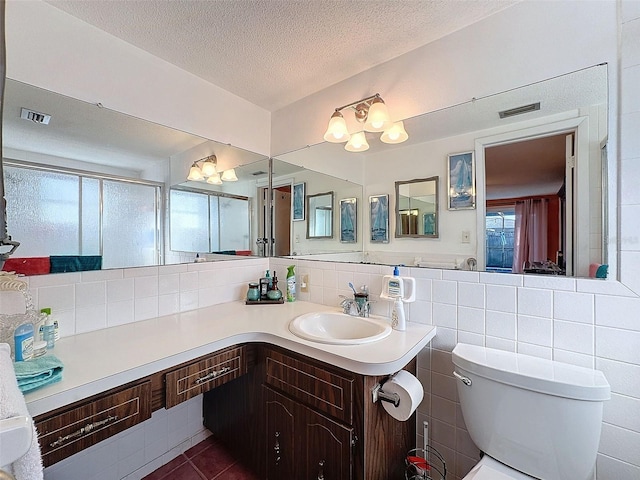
x,y
63,212
500,229
208,222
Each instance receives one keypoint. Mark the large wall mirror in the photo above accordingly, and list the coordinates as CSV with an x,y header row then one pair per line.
x,y
417,208
541,143
72,180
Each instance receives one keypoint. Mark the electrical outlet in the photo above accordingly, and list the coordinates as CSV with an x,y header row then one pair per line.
x,y
297,238
304,283
466,236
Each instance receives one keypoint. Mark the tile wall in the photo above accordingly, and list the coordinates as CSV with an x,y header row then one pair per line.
x,y
579,321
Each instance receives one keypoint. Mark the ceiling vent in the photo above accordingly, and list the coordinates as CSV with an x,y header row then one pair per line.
x,y
259,173
519,110
35,117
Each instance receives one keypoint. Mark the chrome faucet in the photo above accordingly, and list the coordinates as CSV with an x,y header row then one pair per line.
x,y
351,306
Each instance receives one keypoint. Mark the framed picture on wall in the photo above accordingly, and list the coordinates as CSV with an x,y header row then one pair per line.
x,y
298,201
379,218
461,185
348,220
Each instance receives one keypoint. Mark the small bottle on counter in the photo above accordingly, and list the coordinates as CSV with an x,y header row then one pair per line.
x,y
274,292
253,294
23,338
48,330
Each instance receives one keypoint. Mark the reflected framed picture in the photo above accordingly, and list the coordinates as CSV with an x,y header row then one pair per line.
x,y
297,201
429,220
379,218
349,220
461,185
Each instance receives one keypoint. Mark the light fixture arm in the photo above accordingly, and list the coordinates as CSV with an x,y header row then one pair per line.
x,y
367,101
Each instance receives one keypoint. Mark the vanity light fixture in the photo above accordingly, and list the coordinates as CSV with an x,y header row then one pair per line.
x,y
374,115
206,169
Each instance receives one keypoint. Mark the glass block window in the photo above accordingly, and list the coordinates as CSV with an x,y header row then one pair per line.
x,y
64,212
197,221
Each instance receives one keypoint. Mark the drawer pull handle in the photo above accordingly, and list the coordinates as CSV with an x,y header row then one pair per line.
x,y
321,470
212,375
86,430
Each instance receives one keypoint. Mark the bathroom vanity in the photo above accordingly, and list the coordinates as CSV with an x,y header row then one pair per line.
x,y
293,408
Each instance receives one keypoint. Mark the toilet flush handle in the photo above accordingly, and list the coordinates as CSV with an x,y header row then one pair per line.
x,y
463,379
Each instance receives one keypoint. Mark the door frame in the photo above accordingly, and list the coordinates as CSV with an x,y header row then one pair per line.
x,y
580,126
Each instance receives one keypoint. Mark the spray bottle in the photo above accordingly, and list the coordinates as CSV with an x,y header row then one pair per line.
x,y
291,284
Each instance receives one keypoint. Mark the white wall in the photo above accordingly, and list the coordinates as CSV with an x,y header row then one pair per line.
x,y
529,42
53,50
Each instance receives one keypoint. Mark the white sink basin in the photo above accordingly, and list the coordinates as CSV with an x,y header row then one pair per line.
x,y
339,328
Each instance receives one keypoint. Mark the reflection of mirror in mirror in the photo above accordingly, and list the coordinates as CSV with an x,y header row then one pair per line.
x,y
417,208
320,215
286,175
116,161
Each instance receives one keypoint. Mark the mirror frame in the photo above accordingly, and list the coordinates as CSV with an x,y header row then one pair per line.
x,y
308,215
398,233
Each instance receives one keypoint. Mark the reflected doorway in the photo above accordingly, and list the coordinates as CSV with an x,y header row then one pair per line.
x,y
280,222
529,191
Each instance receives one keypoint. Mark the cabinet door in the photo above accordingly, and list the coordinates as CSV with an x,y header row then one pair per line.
x,y
280,448
327,447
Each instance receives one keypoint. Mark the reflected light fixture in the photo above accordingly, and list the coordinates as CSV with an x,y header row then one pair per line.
x,y
206,169
373,114
229,175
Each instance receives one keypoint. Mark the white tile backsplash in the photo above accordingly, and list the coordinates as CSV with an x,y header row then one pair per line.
x,y
471,294
617,344
501,298
535,330
444,291
620,312
574,337
501,324
620,443
535,301
119,290
471,320
576,307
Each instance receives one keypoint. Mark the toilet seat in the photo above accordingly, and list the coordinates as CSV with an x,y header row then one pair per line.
x,y
490,469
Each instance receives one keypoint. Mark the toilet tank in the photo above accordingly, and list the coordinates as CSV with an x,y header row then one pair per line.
x,y
537,416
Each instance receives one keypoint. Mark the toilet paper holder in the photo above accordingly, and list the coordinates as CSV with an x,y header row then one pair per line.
x,y
378,394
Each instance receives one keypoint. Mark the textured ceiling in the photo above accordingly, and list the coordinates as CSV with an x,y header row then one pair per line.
x,y
274,52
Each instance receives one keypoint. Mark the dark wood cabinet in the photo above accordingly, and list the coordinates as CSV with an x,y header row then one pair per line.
x,y
309,420
302,443
280,447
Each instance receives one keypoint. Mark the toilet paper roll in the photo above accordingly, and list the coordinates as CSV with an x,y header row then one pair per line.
x,y
410,392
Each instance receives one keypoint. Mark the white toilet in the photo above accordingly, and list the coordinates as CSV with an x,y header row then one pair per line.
x,y
531,417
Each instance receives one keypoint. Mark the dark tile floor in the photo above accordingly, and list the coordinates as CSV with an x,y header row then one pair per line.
x,y
207,460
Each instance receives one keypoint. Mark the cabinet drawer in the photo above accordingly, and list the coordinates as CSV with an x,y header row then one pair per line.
x,y
69,432
203,375
317,387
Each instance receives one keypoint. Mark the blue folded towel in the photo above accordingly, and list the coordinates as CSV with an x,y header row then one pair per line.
x,y
38,372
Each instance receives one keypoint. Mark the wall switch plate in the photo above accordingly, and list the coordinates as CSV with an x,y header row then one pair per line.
x,y
466,236
304,284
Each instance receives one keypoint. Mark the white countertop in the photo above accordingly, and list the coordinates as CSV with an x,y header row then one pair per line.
x,y
105,359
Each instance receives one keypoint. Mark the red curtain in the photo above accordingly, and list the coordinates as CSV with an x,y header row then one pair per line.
x,y
530,240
